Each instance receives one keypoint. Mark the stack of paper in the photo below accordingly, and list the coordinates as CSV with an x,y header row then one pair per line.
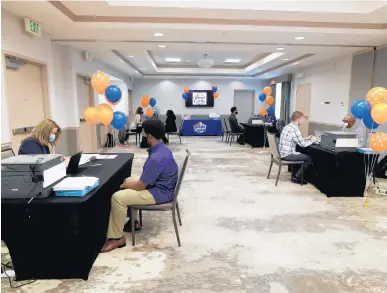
x,y
86,157
76,186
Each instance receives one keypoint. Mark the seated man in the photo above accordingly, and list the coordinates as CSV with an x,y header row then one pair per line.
x,y
235,126
155,186
290,137
349,126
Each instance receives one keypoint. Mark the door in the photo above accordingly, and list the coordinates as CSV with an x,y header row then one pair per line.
x,y
25,100
87,132
244,101
303,95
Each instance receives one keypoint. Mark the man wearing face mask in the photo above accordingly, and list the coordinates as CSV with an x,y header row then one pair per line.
x,y
290,138
155,186
235,126
349,126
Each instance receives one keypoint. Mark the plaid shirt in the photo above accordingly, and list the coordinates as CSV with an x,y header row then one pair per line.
x,y
290,138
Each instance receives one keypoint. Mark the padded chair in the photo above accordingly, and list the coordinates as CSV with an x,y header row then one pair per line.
x,y
276,158
231,135
178,132
169,206
7,153
225,129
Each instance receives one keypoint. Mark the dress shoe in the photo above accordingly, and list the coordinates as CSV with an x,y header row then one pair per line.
x,y
298,181
112,244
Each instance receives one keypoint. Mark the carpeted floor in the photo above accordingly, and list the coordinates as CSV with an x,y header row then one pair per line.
x,y
242,234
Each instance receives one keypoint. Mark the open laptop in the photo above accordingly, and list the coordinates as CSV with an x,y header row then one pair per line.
x,y
72,167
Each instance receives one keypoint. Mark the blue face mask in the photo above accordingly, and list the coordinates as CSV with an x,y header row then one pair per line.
x,y
52,137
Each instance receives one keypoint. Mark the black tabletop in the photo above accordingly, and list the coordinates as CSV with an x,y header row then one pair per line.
x,y
102,169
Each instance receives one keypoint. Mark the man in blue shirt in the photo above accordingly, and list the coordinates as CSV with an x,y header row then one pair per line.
x,y
155,186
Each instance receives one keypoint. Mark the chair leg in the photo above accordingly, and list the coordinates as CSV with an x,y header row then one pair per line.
x,y
132,224
278,175
271,165
168,136
231,138
302,174
140,215
179,138
175,224
178,213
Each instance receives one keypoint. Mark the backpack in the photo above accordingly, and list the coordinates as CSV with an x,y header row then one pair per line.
x,y
381,168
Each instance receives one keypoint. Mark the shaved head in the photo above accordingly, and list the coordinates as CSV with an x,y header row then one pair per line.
x,y
350,119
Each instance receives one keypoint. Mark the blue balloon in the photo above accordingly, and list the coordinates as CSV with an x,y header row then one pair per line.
x,y
214,89
361,109
119,120
262,97
369,122
184,96
270,111
152,102
113,94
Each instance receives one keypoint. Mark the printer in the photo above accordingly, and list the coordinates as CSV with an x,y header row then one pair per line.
x,y
339,141
30,176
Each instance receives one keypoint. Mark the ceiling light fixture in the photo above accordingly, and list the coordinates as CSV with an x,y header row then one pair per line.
x,y
232,60
187,60
131,56
295,63
206,62
173,60
280,49
162,46
158,34
286,59
299,38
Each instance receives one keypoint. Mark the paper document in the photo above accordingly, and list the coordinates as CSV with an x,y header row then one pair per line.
x,y
75,183
54,174
111,157
86,157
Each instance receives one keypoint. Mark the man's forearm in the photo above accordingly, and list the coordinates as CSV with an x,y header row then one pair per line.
x,y
135,185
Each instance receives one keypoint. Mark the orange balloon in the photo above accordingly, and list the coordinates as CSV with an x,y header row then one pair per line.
x,y
267,90
186,90
91,115
378,142
377,95
216,95
269,100
105,106
145,101
263,112
149,112
105,116
379,113
100,81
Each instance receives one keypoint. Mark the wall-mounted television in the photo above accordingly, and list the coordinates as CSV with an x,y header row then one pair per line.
x,y
200,98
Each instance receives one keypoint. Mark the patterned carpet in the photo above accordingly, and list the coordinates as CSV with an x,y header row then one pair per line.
x,y
242,234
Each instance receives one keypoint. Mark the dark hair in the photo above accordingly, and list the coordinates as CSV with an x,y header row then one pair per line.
x,y
297,115
233,109
139,111
154,127
170,113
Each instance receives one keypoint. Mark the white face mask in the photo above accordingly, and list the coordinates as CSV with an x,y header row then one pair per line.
x,y
344,124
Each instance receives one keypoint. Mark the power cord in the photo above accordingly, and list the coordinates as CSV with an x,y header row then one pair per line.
x,y
10,266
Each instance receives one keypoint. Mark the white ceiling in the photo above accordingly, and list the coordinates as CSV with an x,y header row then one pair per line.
x,y
114,31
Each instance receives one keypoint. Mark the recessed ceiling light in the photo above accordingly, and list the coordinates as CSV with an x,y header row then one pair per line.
x,y
286,59
174,60
187,60
299,38
158,34
162,46
295,63
142,69
265,73
232,60
280,49
131,56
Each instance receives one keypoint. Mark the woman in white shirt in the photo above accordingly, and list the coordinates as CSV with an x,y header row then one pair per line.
x,y
137,119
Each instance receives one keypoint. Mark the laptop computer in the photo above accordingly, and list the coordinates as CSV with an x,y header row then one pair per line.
x,y
72,167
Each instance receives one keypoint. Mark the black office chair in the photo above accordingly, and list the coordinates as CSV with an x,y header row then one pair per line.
x,y
231,135
226,131
177,132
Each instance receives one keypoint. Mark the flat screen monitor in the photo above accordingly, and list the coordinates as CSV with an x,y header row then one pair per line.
x,y
200,98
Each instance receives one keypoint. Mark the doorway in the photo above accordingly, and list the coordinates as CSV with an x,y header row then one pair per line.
x,y
26,96
303,96
87,132
245,102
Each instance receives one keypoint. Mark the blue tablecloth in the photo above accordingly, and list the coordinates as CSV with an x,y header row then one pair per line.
x,y
202,127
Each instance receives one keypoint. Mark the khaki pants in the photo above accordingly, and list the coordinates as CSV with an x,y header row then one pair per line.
x,y
120,202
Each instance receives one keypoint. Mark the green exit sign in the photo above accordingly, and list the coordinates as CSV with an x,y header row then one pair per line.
x,y
32,27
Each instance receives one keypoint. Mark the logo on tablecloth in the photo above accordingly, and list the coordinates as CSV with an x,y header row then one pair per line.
x,y
199,127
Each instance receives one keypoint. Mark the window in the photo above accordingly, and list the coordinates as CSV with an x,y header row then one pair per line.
x,y
278,94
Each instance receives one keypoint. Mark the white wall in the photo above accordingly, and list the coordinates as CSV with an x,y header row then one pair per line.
x,y
168,93
63,63
330,83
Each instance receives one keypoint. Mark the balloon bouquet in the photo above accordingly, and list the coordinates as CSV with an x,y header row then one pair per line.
x,y
147,101
373,113
104,113
268,99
